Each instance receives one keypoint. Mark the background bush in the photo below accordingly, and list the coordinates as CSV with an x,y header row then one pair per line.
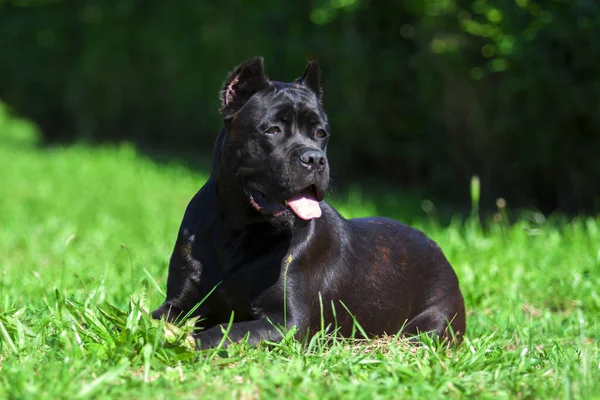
x,y
420,93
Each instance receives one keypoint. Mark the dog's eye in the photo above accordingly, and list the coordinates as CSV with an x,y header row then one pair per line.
x,y
321,133
273,130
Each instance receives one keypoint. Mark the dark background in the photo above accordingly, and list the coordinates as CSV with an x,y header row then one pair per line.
x,y
421,94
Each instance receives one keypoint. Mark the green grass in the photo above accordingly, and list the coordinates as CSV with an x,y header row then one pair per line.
x,y
85,235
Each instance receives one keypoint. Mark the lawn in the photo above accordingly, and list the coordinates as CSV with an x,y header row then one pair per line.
x,y
85,235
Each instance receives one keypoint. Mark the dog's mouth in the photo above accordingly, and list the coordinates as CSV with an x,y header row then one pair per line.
x,y
305,204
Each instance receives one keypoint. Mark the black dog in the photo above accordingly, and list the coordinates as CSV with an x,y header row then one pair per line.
x,y
259,241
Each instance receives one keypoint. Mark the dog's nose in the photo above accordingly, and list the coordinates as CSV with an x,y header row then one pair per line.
x,y
313,158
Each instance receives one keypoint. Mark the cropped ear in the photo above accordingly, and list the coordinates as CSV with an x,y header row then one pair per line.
x,y
311,78
241,84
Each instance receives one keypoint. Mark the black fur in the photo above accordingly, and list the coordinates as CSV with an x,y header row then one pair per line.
x,y
388,275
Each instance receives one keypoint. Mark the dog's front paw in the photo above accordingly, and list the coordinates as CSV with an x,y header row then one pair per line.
x,y
167,311
210,339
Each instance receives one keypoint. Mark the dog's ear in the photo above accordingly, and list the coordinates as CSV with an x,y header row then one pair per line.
x,y
311,78
245,80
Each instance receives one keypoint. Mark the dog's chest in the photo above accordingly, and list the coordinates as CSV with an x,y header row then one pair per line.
x,y
247,271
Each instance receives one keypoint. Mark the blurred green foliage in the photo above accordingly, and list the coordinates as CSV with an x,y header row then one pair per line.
x,y
420,93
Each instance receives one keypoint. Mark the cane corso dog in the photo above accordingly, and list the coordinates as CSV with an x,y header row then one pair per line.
x,y
259,245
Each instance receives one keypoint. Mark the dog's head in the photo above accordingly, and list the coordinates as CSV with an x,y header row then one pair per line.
x,y
275,140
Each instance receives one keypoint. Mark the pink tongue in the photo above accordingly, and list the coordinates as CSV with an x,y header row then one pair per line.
x,y
305,205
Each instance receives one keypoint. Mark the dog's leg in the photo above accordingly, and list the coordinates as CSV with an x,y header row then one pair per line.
x,y
270,329
178,306
435,321
183,282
